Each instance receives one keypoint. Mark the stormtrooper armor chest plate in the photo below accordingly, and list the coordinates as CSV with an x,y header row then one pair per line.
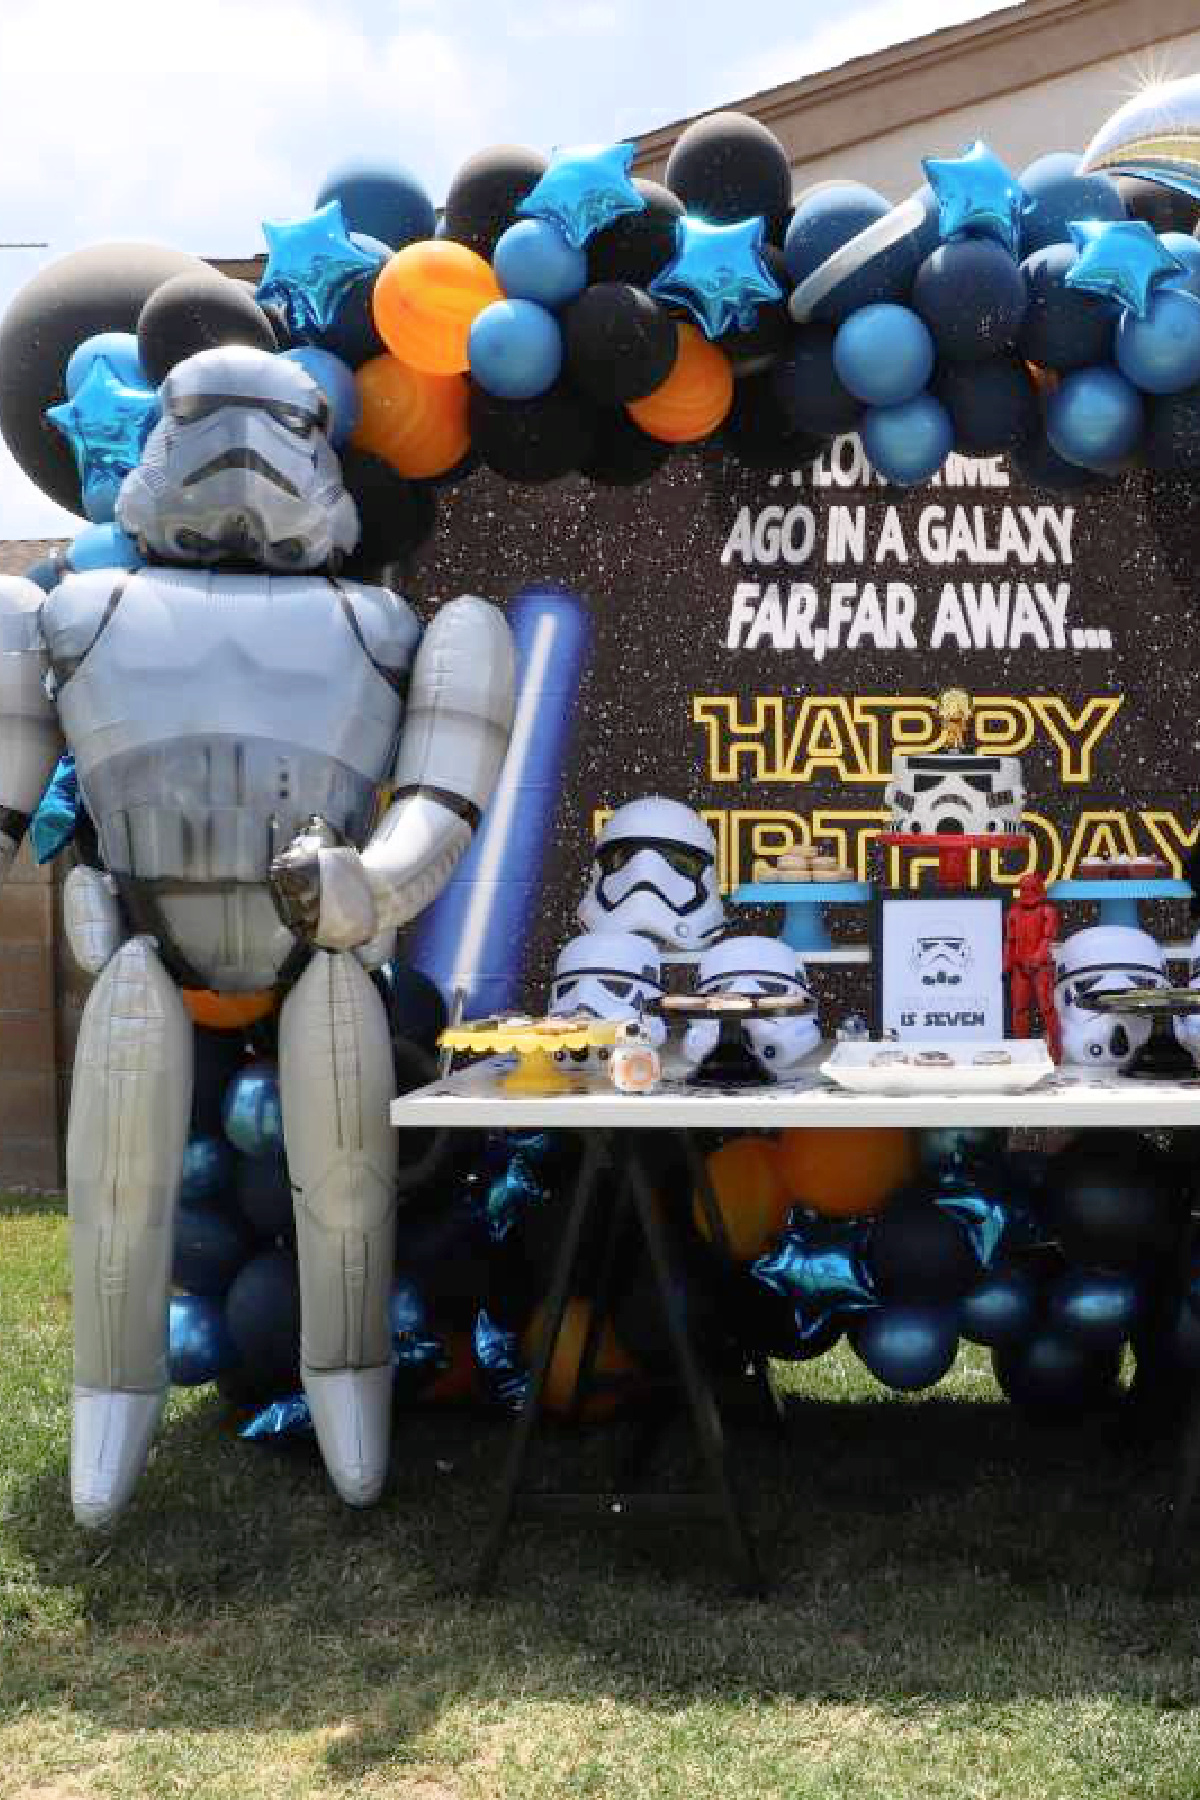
x,y
210,716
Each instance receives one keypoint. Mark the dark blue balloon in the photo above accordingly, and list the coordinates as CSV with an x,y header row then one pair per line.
x,y
382,200
973,298
1099,1308
1183,1340
264,1195
262,1310
908,443
252,1113
883,354
207,1171
416,1008
516,349
1172,439
1094,418
1055,1374
1001,1310
1161,353
533,261
1058,195
807,388
826,218
887,273
993,405
907,1347
407,1310
199,1347
210,1248
1064,327
1043,467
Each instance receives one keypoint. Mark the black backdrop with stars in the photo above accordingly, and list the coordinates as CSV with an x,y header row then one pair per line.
x,y
647,562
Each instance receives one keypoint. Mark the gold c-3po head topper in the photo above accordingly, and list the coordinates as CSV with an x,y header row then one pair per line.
x,y
954,710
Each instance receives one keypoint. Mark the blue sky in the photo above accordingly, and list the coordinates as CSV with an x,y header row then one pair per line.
x,y
190,123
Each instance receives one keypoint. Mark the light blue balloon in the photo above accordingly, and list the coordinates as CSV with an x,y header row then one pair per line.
x,y
1186,250
336,381
102,547
910,442
199,1345
516,349
533,261
884,354
119,349
1161,353
1094,418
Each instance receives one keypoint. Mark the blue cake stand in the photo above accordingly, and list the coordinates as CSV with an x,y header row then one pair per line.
x,y
1118,900
804,925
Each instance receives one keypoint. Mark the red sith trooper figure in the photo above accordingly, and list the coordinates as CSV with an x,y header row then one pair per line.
x,y
1029,939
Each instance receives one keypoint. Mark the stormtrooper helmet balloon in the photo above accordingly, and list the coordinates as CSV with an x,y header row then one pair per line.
x,y
240,469
610,975
755,965
1101,959
1187,1028
655,872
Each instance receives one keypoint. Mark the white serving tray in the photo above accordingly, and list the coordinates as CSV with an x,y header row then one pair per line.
x,y
851,1067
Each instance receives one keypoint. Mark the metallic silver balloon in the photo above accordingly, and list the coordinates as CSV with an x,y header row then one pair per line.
x,y
1156,136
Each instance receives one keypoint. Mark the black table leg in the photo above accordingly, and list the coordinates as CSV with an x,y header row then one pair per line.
x,y
594,1156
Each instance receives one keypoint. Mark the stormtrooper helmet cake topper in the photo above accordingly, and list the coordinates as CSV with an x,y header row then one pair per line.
x,y
240,469
1104,959
655,872
610,975
756,966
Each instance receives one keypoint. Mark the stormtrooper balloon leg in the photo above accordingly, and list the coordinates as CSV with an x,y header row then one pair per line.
x,y
130,1103
335,1076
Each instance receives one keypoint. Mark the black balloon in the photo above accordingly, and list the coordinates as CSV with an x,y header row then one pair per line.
x,y
264,1195
729,166
531,440
621,454
759,433
483,196
994,405
1163,208
905,1346
394,515
620,344
752,352
1054,1376
637,245
198,311
918,1252
1063,328
262,1310
1114,1202
100,289
808,388
972,296
1171,444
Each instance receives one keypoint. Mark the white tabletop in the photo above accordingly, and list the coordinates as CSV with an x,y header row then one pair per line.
x,y
473,1098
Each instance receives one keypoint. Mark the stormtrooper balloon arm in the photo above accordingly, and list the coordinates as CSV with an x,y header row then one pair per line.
x,y
30,737
456,731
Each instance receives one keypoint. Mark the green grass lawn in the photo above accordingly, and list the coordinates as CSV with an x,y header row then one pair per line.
x,y
957,1610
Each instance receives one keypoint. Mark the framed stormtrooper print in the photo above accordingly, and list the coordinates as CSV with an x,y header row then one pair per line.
x,y
939,967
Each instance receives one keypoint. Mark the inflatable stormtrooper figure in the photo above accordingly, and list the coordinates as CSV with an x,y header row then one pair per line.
x,y
1187,1029
755,965
234,735
609,975
655,873
1103,958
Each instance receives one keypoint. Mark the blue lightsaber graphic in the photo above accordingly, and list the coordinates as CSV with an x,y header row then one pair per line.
x,y
474,938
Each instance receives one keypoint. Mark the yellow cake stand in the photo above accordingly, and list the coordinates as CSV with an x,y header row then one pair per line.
x,y
536,1043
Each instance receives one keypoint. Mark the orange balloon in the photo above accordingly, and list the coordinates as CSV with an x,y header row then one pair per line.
x,y
559,1392
751,1195
418,423
425,300
694,398
844,1173
228,1012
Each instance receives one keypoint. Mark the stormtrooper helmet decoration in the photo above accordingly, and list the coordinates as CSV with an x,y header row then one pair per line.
x,y
755,965
655,872
1101,959
611,975
1187,1029
240,469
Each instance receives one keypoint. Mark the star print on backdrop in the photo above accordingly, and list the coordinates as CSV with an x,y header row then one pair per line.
x,y
584,190
977,196
1122,260
718,274
312,265
106,423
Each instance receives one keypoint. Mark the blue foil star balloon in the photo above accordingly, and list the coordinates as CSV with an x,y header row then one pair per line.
x,y
498,1358
977,196
818,1264
1122,259
312,263
106,424
584,190
718,273
54,823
